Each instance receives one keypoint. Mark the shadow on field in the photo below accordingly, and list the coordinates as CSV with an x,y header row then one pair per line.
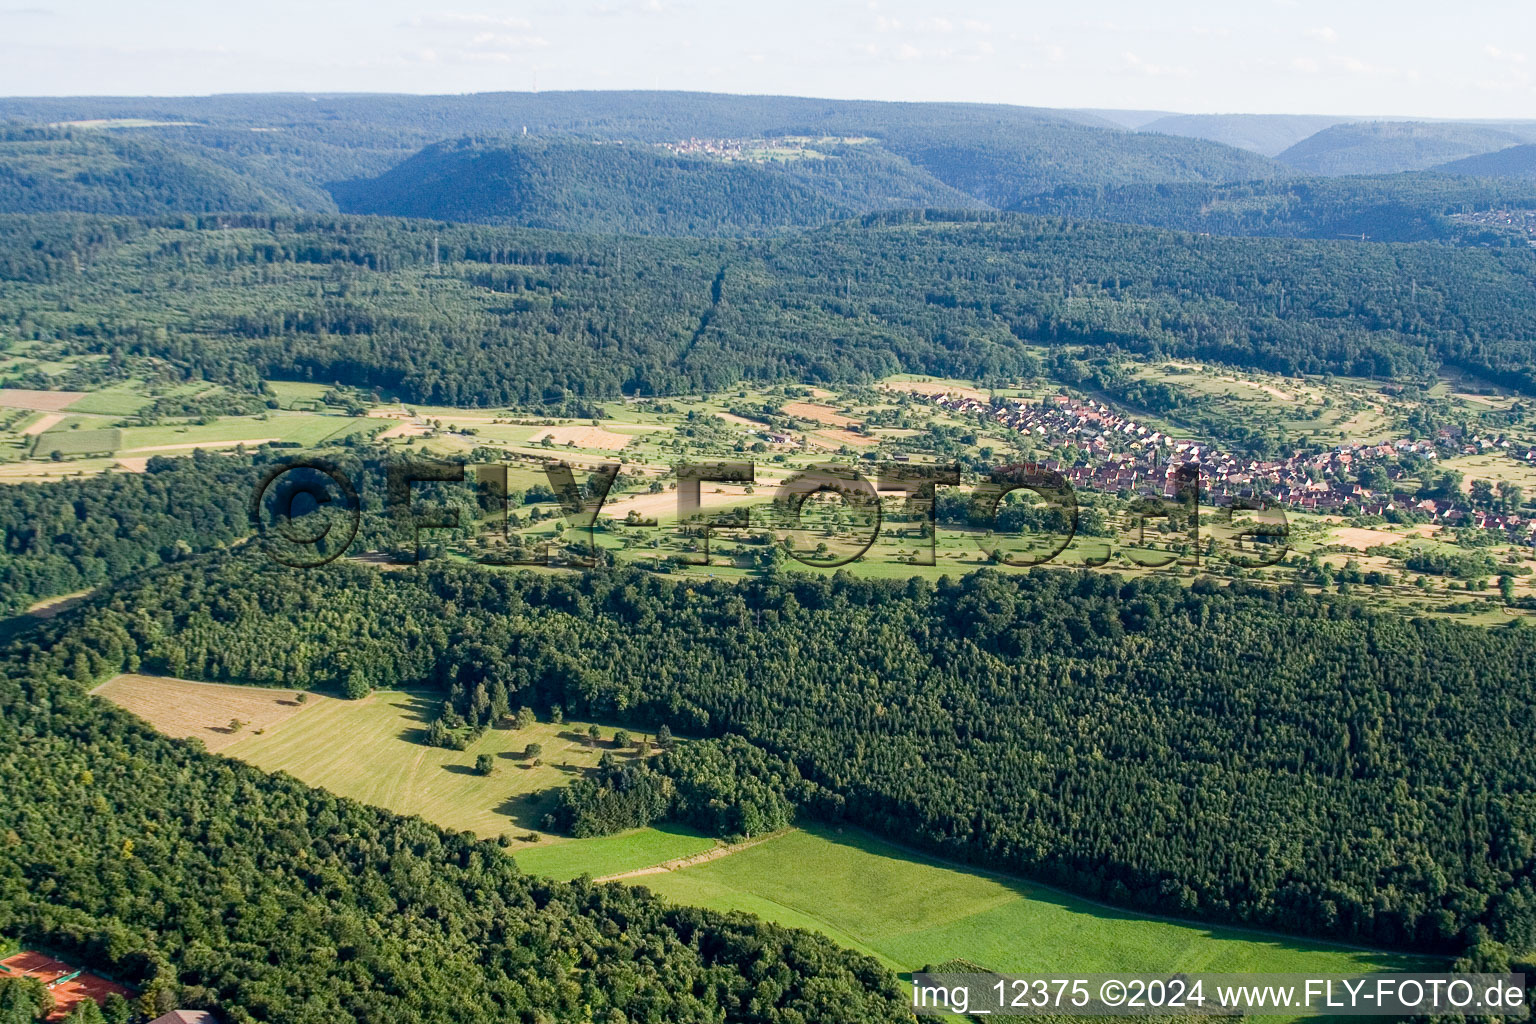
x,y
420,709
527,810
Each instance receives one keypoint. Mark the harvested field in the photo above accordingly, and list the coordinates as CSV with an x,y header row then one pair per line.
x,y
405,430
923,387
848,437
1362,539
584,437
664,505
38,401
820,413
184,709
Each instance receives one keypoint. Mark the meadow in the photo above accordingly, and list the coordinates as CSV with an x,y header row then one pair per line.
x,y
911,910
905,908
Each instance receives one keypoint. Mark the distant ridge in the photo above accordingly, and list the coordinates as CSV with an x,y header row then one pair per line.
x,y
1510,162
634,188
297,144
1387,147
1267,134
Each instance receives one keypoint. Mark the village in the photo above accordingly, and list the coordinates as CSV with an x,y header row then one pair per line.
x,y
1122,455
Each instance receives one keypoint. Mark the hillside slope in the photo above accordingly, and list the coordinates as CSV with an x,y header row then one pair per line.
x,y
575,185
1410,207
1386,147
43,171
1267,134
1510,162
995,153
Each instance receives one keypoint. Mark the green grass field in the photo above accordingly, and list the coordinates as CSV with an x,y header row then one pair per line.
x,y
305,428
910,911
117,400
611,855
77,442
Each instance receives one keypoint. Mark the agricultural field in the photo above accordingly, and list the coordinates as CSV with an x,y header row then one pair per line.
x,y
617,854
782,429
373,749
910,910
214,713
1331,411
907,909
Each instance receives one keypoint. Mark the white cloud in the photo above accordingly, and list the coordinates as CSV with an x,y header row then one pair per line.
x,y
1504,55
1135,65
451,20
634,7
1364,69
908,52
502,42
1323,34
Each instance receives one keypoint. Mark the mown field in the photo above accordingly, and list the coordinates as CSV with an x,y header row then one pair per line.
x,y
907,909
911,910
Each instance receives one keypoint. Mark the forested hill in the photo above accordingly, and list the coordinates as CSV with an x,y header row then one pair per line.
x,y
1388,208
1231,753
207,883
518,316
297,144
1386,147
1513,162
576,185
44,171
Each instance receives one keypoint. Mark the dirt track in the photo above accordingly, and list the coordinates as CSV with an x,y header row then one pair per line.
x,y
699,858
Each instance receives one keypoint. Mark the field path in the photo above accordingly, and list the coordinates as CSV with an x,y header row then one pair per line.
x,y
42,425
699,858
188,445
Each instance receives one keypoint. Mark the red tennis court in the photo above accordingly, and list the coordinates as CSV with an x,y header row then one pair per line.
x,y
68,984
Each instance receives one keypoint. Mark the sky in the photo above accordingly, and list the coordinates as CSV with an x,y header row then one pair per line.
x,y
1470,59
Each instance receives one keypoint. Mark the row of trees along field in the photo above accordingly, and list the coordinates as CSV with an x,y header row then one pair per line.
x,y
487,316
1237,753
207,883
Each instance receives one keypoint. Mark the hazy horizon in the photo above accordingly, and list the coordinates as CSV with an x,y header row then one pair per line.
x,y
1276,57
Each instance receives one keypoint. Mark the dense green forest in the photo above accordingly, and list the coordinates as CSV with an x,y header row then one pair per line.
x,y
207,883
636,189
1385,147
1232,753
727,787
43,171
74,534
1392,208
515,316
1512,162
